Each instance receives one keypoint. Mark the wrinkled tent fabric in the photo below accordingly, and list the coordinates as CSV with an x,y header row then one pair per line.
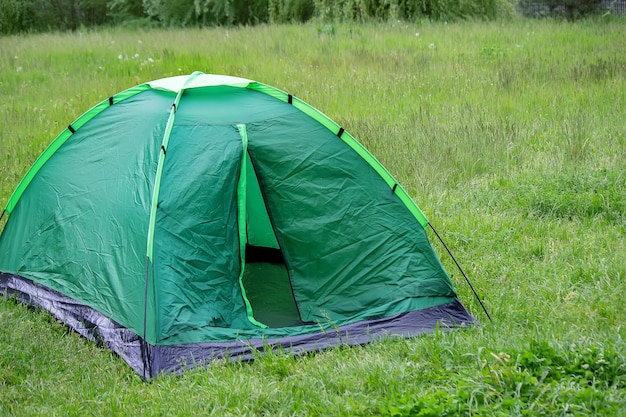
x,y
134,226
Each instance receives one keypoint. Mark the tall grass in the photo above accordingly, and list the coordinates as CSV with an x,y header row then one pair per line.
x,y
511,138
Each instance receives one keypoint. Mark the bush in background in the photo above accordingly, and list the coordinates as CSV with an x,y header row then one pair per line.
x,y
410,10
19,16
570,9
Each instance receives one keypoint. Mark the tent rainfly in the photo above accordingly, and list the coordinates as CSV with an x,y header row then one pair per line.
x,y
208,216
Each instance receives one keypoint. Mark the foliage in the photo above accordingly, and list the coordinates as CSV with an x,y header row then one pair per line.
x,y
570,9
18,16
410,10
122,11
38,15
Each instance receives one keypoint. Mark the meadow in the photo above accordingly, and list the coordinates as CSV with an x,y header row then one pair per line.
x,y
510,136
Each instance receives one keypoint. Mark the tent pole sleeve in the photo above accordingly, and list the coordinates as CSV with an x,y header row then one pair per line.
x,y
242,221
159,173
155,201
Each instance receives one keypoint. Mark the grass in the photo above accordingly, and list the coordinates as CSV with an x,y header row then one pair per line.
x,y
509,135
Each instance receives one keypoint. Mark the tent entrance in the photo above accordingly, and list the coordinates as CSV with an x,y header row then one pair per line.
x,y
265,279
268,289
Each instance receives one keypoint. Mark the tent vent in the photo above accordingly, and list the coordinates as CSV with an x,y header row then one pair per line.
x,y
340,132
71,129
289,99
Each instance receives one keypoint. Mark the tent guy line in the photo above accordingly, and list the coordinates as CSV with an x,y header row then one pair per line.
x,y
461,270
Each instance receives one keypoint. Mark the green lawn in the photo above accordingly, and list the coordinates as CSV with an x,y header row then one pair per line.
x,y
511,137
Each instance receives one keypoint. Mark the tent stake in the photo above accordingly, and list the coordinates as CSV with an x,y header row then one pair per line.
x,y
461,269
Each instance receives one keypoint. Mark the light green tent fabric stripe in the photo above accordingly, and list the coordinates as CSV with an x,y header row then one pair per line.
x,y
60,140
150,284
350,140
241,198
157,181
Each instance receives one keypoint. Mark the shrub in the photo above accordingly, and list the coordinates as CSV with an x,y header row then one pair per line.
x,y
570,9
18,16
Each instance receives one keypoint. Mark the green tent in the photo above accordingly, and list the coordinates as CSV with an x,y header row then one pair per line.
x,y
206,216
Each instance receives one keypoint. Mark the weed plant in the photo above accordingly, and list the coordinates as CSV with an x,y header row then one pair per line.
x,y
510,136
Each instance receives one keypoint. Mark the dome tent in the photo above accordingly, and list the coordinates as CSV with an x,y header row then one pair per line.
x,y
205,216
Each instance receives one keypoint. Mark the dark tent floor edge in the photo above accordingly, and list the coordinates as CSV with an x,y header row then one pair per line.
x,y
94,326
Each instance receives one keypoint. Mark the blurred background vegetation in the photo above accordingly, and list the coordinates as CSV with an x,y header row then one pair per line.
x,y
27,16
